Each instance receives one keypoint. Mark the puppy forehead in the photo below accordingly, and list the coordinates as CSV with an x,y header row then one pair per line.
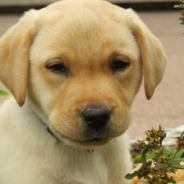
x,y
86,33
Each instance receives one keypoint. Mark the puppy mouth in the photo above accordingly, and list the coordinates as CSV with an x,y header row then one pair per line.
x,y
94,141
90,142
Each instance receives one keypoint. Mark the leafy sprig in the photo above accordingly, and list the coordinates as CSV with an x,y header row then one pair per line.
x,y
181,5
157,162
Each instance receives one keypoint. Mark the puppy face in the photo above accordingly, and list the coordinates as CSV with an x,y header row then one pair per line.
x,y
85,68
82,63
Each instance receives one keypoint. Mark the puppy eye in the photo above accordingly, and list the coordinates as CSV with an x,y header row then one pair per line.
x,y
119,63
57,68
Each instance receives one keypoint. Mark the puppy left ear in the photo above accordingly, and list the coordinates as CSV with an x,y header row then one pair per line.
x,y
14,55
153,56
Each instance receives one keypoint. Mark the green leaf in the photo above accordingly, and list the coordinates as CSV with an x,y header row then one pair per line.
x,y
179,154
178,166
3,93
177,6
182,23
173,161
143,157
172,181
137,159
150,182
166,152
149,155
130,176
170,169
181,136
173,151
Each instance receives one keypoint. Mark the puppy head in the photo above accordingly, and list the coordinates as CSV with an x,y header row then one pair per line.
x,y
86,61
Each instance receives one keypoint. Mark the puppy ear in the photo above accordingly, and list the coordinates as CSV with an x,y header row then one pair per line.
x,y
14,55
153,56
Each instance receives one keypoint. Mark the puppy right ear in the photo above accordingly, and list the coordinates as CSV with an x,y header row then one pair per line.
x,y
153,55
14,55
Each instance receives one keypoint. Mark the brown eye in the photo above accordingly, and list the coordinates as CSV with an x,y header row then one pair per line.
x,y
119,63
57,68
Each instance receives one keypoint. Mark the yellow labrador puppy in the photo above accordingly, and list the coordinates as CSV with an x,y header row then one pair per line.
x,y
74,69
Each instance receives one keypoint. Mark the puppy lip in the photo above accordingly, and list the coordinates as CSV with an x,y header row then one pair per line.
x,y
94,141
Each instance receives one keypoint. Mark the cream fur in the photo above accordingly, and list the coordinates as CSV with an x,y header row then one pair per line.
x,y
30,155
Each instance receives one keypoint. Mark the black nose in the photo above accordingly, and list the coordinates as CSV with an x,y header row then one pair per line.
x,y
96,116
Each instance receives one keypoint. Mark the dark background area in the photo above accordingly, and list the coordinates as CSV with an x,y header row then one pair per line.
x,y
146,6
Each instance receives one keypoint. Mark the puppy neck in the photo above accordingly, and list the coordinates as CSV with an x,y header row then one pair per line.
x,y
51,133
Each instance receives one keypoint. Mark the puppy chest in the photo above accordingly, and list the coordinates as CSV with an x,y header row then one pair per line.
x,y
85,168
